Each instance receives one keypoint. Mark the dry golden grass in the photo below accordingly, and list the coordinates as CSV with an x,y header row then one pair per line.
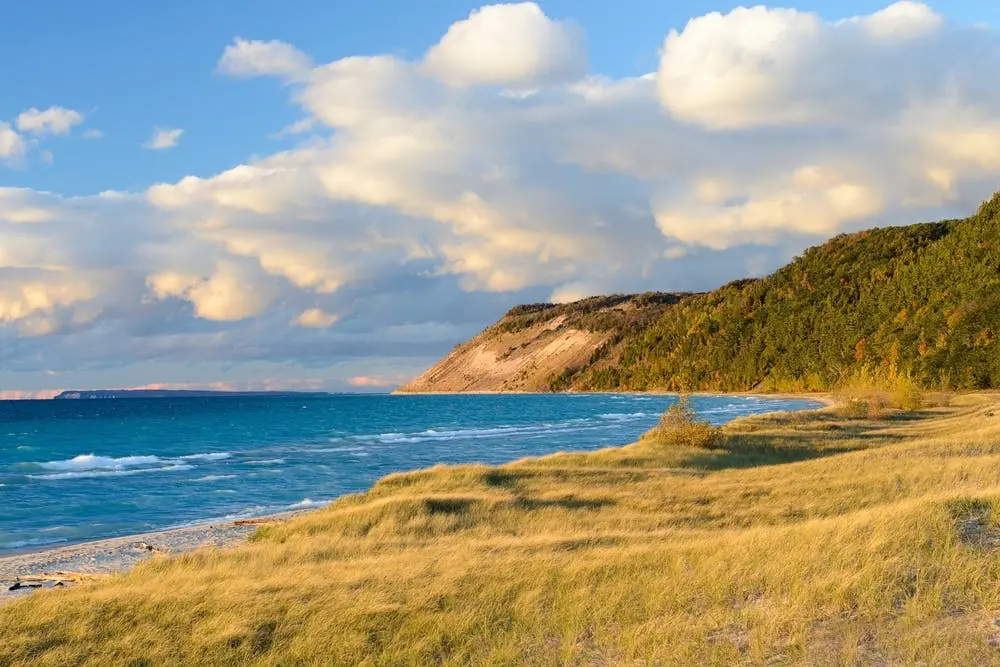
x,y
798,539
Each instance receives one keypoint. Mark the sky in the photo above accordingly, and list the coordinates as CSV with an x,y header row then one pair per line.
x,y
331,195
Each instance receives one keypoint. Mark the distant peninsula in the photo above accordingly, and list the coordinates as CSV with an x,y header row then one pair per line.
x,y
172,393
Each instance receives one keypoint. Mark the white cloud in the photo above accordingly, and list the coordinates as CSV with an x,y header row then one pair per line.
x,y
424,207
229,294
93,134
298,127
362,89
248,58
172,284
903,20
233,292
508,45
21,205
316,318
812,201
163,138
572,292
33,302
761,66
54,120
12,145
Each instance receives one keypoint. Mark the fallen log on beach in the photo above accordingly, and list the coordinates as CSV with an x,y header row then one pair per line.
x,y
263,521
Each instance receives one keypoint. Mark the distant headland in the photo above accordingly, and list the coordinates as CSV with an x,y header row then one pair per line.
x,y
172,393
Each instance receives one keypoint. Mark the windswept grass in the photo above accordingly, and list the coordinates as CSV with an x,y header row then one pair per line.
x,y
789,539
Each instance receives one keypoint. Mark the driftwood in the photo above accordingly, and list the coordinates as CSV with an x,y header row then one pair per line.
x,y
263,521
56,579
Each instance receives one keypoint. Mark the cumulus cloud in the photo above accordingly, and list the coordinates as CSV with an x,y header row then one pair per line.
x,y
902,20
509,45
163,138
316,318
770,67
35,300
12,145
232,292
437,192
21,205
813,201
54,120
247,58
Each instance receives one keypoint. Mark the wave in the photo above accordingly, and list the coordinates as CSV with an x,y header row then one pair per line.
x,y
92,465
330,450
603,421
623,416
83,474
214,456
214,478
92,462
265,462
306,503
21,544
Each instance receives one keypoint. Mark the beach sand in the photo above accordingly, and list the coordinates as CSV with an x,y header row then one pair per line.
x,y
66,565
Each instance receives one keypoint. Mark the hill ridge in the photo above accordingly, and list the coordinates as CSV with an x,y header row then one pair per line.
x,y
921,301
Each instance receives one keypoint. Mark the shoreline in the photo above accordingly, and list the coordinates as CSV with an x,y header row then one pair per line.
x,y
824,397
66,564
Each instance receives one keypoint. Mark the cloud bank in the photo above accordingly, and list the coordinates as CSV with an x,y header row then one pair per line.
x,y
430,194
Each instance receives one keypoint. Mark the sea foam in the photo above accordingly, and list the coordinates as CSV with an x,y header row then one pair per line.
x,y
110,473
92,462
212,456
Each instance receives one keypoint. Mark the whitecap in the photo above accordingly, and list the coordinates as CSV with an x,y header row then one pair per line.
x,y
307,503
214,478
109,473
435,434
92,462
265,462
213,456
329,450
623,416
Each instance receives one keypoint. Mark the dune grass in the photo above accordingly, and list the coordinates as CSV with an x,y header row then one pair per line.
x,y
801,538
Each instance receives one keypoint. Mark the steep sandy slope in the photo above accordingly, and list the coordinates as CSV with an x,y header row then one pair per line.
x,y
536,347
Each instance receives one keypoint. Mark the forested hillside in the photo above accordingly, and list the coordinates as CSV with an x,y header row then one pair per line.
x,y
921,301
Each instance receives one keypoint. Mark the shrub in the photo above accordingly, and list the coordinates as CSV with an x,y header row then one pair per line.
x,y
863,395
680,425
908,396
854,408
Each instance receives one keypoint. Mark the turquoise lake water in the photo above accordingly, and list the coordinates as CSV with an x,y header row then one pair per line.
x,y
90,469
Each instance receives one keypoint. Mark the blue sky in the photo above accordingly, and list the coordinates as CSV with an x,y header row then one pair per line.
x,y
456,162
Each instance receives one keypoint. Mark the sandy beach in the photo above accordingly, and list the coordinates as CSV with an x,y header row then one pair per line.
x,y
28,571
